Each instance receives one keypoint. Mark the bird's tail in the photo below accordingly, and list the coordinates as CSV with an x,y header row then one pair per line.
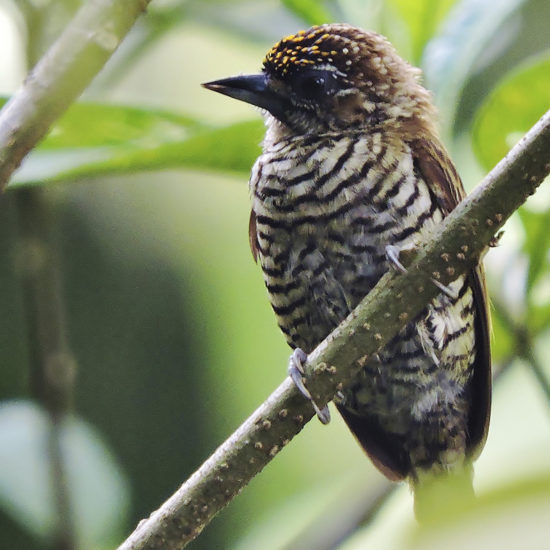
x,y
435,495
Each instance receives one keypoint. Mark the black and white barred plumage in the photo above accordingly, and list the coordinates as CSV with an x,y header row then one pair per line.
x,y
351,164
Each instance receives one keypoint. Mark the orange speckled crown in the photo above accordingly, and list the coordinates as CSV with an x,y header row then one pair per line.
x,y
364,59
312,47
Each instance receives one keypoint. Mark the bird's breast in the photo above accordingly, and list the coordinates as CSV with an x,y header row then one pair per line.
x,y
326,207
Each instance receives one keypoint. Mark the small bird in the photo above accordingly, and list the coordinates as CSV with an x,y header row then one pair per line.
x,y
351,174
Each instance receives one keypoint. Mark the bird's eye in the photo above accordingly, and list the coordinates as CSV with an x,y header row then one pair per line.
x,y
311,86
314,84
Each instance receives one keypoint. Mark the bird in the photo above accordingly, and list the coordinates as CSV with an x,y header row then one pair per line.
x,y
352,173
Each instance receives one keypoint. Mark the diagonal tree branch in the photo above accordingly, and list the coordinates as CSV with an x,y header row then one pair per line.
x,y
62,75
398,297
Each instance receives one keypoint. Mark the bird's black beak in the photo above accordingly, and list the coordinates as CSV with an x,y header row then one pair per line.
x,y
251,88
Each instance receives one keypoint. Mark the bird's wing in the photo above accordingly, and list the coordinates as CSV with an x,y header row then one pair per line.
x,y
437,170
253,235
386,450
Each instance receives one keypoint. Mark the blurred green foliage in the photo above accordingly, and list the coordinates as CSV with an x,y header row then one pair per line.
x,y
422,20
522,96
165,310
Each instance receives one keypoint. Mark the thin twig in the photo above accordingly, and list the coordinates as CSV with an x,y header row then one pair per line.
x,y
524,346
335,526
56,81
398,297
51,363
62,75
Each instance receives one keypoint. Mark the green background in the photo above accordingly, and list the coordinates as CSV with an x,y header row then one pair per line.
x,y
145,184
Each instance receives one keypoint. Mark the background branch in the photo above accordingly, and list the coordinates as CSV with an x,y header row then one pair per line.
x,y
52,366
55,82
62,75
463,237
345,516
524,347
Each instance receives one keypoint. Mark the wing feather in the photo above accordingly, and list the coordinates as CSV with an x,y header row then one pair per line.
x,y
253,235
439,173
386,450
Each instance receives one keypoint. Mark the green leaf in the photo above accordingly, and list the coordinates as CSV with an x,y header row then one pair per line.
x,y
513,107
99,493
539,317
422,18
451,57
311,11
95,125
94,139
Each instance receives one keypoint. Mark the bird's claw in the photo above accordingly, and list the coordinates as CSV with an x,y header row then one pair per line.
x,y
448,291
296,373
392,255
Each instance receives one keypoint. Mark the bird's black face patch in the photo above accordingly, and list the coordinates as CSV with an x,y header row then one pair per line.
x,y
314,85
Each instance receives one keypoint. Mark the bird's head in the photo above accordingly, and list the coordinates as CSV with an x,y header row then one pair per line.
x,y
333,78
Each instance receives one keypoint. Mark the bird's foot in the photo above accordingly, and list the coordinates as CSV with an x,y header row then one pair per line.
x,y
296,373
392,255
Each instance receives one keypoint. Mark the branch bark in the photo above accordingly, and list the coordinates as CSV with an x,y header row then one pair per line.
x,y
62,75
398,297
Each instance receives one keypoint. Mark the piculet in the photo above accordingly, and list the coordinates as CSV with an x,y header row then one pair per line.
x,y
353,172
